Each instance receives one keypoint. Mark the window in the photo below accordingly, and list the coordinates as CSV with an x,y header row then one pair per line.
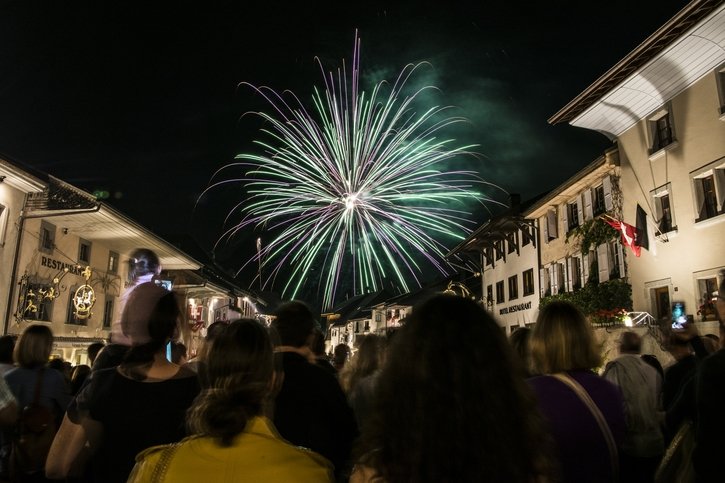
x,y
513,287
498,247
378,317
528,280
709,189
499,293
108,312
37,301
112,262
558,282
598,201
615,259
71,317
512,240
662,204
572,215
551,225
545,281
488,255
47,237
489,295
574,274
3,223
661,130
84,252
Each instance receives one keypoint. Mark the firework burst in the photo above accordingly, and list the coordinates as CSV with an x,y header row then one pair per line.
x,y
356,187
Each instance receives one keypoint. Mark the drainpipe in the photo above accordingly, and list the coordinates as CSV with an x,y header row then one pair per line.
x,y
16,260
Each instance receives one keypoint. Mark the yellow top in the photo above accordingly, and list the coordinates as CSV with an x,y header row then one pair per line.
x,y
258,454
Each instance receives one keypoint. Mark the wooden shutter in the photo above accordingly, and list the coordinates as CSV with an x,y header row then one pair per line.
x,y
603,262
588,211
607,185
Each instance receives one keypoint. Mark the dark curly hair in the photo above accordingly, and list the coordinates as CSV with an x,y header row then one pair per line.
x,y
240,365
452,405
142,262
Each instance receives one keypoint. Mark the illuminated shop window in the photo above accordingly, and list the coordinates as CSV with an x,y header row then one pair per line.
x,y
36,301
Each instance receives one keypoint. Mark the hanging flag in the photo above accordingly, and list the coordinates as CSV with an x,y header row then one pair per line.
x,y
628,232
642,238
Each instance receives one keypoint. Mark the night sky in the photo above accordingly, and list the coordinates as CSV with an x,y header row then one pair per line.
x,y
140,99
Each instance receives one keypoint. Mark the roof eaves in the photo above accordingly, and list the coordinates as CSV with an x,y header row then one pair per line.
x,y
684,20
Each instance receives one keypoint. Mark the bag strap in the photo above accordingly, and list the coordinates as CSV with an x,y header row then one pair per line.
x,y
38,385
598,416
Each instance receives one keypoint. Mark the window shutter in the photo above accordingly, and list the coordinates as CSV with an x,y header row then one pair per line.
x,y
607,185
569,285
542,281
546,228
565,217
585,268
620,251
603,262
588,211
551,221
554,282
579,210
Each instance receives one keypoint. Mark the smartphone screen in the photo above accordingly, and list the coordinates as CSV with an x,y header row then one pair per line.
x,y
168,352
679,317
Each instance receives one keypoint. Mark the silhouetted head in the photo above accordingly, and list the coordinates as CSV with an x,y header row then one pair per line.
x,y
630,343
294,323
451,359
563,340
34,346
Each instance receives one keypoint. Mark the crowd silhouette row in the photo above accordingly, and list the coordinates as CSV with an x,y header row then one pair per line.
x,y
446,397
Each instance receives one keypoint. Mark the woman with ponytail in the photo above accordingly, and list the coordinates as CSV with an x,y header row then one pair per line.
x,y
124,409
235,440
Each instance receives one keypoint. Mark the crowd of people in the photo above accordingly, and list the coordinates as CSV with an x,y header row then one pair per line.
x,y
446,397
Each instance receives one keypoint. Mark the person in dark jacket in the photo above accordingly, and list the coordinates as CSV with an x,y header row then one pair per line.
x,y
310,410
710,404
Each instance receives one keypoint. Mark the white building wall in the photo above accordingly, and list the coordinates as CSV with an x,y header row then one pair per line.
x,y
695,251
519,310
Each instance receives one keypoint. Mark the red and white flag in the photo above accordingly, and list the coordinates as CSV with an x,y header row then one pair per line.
x,y
628,232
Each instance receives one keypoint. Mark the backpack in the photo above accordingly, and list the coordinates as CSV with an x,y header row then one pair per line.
x,y
33,437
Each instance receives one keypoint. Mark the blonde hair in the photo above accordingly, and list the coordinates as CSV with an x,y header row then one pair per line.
x,y
563,340
34,346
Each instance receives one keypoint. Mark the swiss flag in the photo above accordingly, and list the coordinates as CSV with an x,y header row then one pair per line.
x,y
628,232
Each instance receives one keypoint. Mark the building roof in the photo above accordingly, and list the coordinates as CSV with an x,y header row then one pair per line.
x,y
359,306
678,54
576,183
496,228
76,211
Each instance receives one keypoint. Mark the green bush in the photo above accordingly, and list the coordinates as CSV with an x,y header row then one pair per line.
x,y
603,303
